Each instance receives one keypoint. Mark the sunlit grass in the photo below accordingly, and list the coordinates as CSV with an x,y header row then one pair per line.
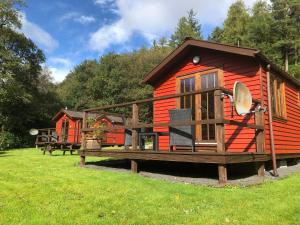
x,y
41,189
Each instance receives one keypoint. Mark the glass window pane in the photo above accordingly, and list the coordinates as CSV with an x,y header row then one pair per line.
x,y
181,102
193,84
203,82
187,86
212,131
211,105
204,132
203,106
181,86
212,82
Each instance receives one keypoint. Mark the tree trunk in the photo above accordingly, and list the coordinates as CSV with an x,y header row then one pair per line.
x,y
286,61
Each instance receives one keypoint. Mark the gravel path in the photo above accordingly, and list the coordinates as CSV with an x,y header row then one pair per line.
x,y
189,173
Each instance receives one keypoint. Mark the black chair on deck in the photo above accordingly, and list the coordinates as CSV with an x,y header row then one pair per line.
x,y
128,134
181,135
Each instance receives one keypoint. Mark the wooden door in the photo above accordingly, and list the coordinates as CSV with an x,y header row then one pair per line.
x,y
65,131
202,106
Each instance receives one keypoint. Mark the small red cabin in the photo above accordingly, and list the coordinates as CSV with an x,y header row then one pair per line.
x,y
69,124
114,136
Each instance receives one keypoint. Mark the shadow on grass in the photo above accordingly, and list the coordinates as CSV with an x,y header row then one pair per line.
x,y
4,154
177,169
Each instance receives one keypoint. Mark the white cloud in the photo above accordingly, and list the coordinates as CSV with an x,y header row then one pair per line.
x,y
85,19
77,17
155,18
107,35
102,2
59,67
37,34
59,73
60,61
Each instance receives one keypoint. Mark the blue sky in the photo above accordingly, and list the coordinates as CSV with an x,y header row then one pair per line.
x,y
71,31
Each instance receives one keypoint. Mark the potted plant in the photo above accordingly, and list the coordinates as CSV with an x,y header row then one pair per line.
x,y
95,137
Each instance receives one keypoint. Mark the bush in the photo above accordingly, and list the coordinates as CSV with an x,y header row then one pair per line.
x,y
9,140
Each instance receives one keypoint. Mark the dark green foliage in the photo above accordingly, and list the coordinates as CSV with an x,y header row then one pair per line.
x,y
114,79
9,140
216,35
235,25
187,27
27,96
273,28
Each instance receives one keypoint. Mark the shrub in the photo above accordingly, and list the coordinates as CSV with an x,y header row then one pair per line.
x,y
9,140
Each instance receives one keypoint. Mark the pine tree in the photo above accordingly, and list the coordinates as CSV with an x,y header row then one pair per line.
x,y
285,28
235,25
216,35
186,27
259,28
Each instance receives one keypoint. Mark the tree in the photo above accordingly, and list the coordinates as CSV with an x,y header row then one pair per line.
x,y
286,28
236,23
9,16
186,27
216,35
26,95
259,28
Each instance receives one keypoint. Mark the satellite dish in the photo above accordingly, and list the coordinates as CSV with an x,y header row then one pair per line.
x,y
33,132
242,98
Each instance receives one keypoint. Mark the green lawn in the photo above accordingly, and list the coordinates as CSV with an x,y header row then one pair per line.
x,y
41,189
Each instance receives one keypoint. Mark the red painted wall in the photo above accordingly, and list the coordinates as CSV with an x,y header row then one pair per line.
x,y
114,137
286,132
235,68
74,134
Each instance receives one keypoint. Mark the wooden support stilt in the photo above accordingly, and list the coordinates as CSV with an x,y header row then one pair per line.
x,y
82,160
222,169
220,134
260,168
134,166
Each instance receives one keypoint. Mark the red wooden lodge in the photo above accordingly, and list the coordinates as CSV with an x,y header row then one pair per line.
x,y
199,75
67,131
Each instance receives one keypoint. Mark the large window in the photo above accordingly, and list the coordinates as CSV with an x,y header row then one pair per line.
x,y
186,102
278,96
208,81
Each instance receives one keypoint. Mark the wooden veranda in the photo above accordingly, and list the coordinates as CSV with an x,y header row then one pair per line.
x,y
218,156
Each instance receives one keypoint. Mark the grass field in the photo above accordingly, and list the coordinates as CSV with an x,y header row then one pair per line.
x,y
41,189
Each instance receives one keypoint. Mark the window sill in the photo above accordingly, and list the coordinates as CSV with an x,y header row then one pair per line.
x,y
280,119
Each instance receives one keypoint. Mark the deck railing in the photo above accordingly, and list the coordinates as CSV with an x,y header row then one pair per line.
x,y
219,119
50,136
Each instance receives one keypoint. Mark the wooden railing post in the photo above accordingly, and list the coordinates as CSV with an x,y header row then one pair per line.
x,y
259,133
49,136
220,133
135,120
259,136
83,138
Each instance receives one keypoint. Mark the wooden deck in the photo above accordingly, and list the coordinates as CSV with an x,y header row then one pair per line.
x,y
195,157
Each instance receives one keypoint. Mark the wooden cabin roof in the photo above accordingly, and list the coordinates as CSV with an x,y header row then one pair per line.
x,y
72,114
179,53
79,115
112,118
